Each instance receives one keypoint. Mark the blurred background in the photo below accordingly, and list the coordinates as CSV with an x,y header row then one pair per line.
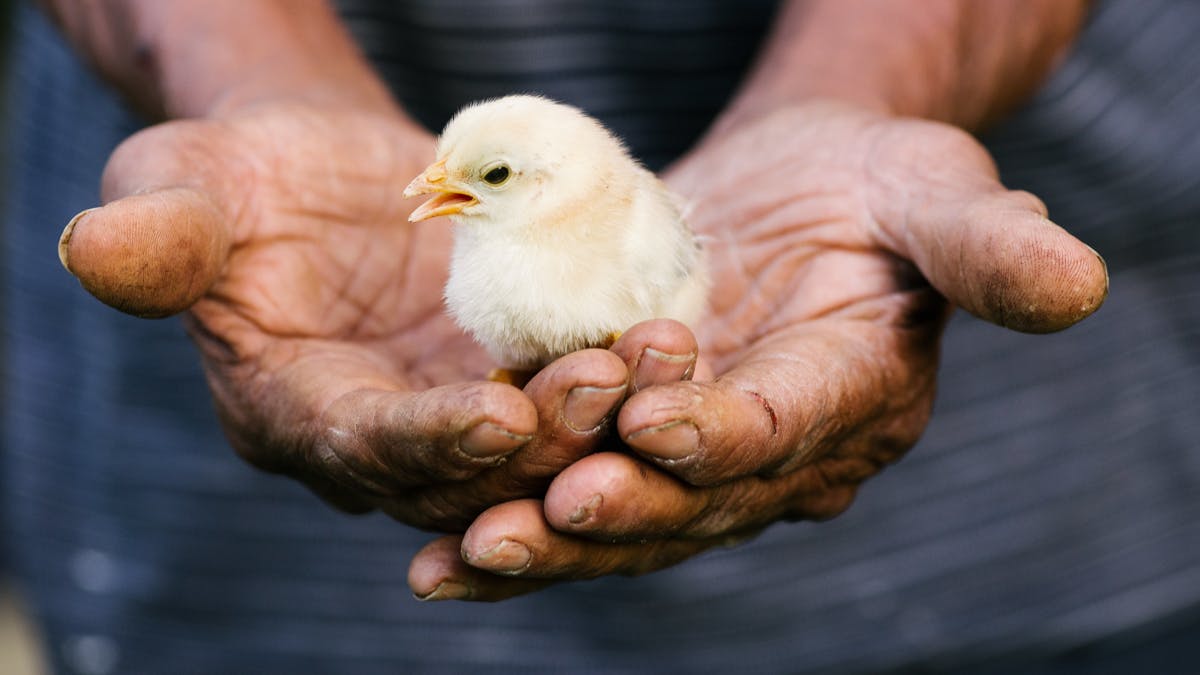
x,y
18,654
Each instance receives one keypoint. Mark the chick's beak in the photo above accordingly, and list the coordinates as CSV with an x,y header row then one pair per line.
x,y
448,197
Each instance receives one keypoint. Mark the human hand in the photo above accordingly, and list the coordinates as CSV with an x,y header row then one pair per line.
x,y
836,236
317,310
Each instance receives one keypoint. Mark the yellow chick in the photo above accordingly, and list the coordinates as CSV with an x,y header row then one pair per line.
x,y
563,240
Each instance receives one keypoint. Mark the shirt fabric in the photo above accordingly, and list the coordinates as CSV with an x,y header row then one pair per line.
x,y
1048,521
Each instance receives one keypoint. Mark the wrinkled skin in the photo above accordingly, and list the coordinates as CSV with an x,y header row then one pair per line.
x,y
824,223
317,310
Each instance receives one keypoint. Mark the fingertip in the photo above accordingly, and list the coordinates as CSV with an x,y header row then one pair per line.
x,y
654,408
498,540
150,255
705,433
657,352
435,574
611,497
1042,280
593,367
574,501
439,573
495,419
996,254
64,239
615,498
579,390
666,335
504,520
503,405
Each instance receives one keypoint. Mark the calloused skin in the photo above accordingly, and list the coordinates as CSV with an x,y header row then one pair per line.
x,y
834,234
320,322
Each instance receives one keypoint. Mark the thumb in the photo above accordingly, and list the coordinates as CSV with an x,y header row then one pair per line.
x,y
989,250
151,255
162,238
997,256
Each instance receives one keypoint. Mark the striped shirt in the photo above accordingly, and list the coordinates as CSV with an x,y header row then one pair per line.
x,y
1049,520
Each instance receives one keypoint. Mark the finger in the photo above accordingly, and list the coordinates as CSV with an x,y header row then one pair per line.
x,y
438,572
387,442
575,399
656,352
612,497
574,416
328,411
150,255
514,540
989,250
162,238
791,399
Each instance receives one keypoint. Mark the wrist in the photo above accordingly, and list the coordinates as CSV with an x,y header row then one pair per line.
x,y
204,58
964,63
215,58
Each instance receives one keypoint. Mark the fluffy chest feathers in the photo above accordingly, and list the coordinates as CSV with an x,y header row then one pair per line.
x,y
561,239
533,294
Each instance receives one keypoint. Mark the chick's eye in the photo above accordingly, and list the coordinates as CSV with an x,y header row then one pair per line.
x,y
496,175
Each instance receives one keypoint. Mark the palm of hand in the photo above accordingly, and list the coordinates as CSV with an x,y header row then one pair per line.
x,y
321,251
834,234
331,359
326,314
810,285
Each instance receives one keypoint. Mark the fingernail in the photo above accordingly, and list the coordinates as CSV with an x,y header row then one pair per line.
x,y
586,510
1103,262
509,557
673,440
486,440
655,367
447,590
64,239
587,407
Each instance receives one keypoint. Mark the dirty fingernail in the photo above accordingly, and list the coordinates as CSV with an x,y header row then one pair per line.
x,y
587,407
64,240
673,440
447,590
507,557
586,510
489,440
655,367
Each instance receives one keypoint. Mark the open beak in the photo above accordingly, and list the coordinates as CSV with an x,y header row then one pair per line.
x,y
448,198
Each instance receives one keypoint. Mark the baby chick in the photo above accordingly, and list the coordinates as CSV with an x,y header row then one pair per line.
x,y
563,240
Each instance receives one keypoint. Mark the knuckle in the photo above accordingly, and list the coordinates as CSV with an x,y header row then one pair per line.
x,y
1027,200
345,458
167,152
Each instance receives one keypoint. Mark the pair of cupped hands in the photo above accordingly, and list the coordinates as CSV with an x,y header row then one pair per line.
x,y
836,235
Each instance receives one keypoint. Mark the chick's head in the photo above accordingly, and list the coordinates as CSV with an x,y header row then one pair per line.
x,y
519,161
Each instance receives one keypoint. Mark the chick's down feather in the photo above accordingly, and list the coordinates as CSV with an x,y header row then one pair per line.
x,y
562,239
